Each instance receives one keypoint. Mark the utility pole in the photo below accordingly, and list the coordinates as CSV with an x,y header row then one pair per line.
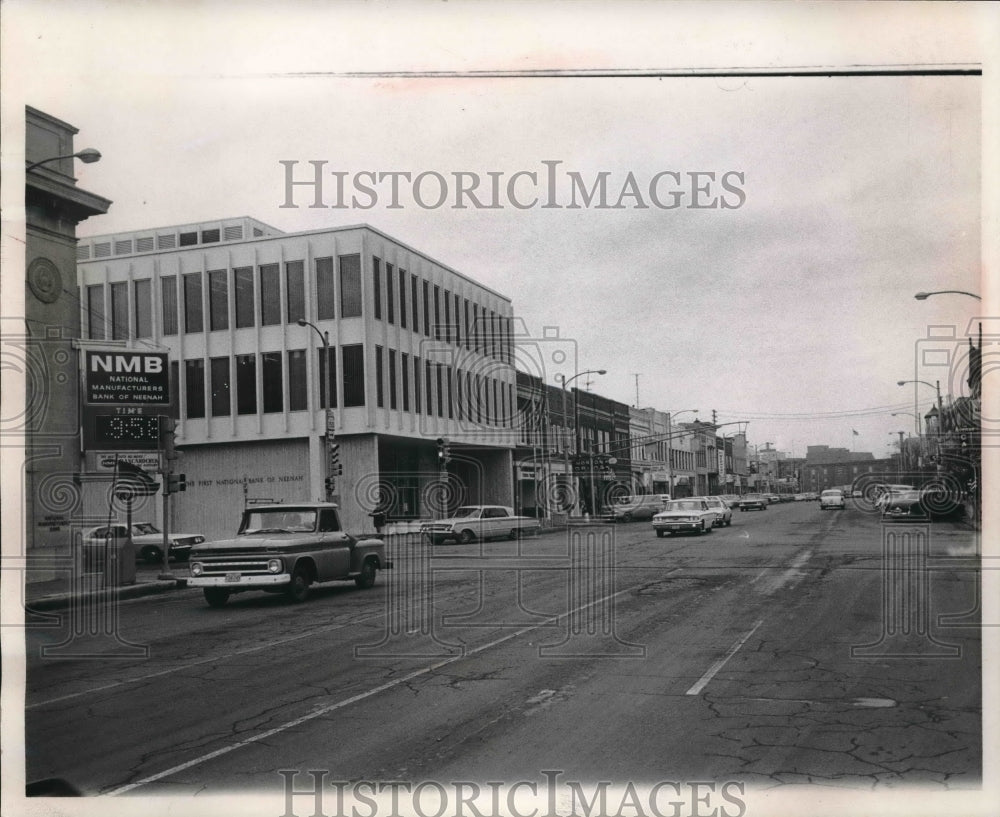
x,y
636,376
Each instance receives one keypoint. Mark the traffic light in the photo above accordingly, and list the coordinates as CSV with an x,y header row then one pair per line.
x,y
334,466
168,428
331,485
176,483
444,454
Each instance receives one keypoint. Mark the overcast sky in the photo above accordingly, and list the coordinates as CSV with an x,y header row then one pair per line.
x,y
793,310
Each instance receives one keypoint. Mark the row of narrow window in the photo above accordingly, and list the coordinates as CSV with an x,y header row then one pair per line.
x,y
265,302
420,385
163,241
445,390
447,316
260,302
212,391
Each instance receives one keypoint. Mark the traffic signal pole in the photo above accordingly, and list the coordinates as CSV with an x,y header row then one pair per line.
x,y
168,454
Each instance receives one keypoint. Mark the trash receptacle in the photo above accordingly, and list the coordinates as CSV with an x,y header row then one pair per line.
x,y
113,558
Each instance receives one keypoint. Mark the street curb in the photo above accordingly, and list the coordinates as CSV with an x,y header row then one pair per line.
x,y
61,601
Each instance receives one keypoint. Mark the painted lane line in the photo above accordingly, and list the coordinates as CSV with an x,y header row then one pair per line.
x,y
209,659
325,710
708,676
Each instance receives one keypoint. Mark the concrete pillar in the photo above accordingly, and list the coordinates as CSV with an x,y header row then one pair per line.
x,y
317,468
359,455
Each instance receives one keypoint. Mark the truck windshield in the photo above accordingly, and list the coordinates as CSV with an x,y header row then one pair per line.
x,y
282,520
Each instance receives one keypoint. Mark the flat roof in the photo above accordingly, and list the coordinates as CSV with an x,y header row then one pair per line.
x,y
281,236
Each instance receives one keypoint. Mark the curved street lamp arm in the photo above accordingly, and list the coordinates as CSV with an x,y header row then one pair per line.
x,y
923,296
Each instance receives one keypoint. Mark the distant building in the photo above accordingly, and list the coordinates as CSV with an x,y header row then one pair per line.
x,y
604,435
543,470
821,454
819,477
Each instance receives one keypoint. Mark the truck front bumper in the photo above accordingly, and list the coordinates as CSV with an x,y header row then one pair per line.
x,y
239,580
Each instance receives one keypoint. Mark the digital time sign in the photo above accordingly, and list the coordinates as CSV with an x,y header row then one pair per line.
x,y
126,431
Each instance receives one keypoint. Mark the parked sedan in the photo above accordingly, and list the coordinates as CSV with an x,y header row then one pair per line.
x,y
692,515
147,538
725,513
753,502
904,505
831,498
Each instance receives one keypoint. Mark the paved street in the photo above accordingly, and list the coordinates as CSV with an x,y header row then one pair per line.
x,y
759,653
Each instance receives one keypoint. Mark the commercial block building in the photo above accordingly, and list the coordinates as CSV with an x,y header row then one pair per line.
x,y
419,352
662,458
43,344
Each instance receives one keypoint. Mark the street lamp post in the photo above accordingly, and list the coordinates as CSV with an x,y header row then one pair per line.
x,y
670,448
936,385
328,415
767,481
87,156
576,424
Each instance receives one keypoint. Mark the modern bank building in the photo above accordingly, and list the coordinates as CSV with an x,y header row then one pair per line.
x,y
264,330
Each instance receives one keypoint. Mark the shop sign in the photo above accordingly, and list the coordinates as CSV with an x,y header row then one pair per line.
x,y
105,460
116,377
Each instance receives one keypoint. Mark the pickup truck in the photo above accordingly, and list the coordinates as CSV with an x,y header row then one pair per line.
x,y
472,522
285,549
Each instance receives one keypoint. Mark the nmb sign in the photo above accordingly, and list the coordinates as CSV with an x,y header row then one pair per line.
x,y
124,392
118,377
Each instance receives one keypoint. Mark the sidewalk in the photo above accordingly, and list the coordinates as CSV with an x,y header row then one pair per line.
x,y
59,593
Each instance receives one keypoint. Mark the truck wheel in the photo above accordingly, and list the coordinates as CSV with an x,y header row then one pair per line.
x,y
298,588
367,577
466,537
216,596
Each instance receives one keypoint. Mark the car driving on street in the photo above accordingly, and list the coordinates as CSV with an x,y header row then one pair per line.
x,y
692,515
753,502
831,498
482,522
629,508
724,516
